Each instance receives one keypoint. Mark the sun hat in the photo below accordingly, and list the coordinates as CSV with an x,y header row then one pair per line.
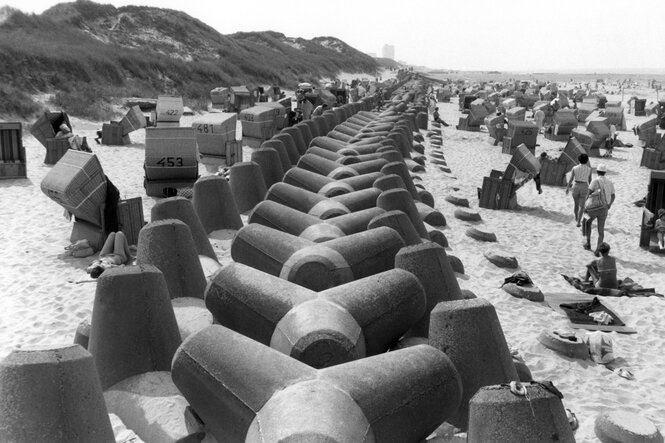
x,y
601,168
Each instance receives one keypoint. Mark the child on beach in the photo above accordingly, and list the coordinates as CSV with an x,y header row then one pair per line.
x,y
115,252
659,227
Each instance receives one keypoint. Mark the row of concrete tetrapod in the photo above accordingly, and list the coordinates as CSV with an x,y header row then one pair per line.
x,y
323,283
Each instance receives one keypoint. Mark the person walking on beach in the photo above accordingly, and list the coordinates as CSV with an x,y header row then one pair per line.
x,y
605,187
581,176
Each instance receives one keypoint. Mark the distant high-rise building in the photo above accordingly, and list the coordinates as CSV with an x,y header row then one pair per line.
x,y
388,51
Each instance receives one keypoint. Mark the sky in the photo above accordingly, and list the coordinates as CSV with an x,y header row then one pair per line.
x,y
615,36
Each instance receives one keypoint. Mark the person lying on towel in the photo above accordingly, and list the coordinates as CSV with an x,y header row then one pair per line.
x,y
115,252
603,271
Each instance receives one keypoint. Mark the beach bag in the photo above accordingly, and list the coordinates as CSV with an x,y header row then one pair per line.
x,y
595,204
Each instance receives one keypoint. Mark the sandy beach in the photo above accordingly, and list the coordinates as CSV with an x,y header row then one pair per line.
x,y
47,293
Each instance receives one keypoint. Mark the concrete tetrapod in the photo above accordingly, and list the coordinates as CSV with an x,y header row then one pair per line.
x,y
278,216
305,201
400,169
344,323
315,182
400,222
180,208
429,263
134,329
316,266
305,132
278,146
400,199
263,395
168,245
469,332
215,205
324,166
297,137
247,185
290,145
52,396
523,413
270,164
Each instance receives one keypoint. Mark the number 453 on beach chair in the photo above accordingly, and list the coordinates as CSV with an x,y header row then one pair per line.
x,y
171,160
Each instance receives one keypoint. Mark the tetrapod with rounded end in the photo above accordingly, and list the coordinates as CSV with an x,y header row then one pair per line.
x,y
358,200
398,221
315,182
262,394
277,216
428,261
325,167
247,185
52,395
271,166
180,208
400,199
305,201
214,204
168,245
518,412
344,323
400,169
316,266
363,181
298,139
278,146
327,143
290,145
469,332
357,221
430,215
134,329
306,133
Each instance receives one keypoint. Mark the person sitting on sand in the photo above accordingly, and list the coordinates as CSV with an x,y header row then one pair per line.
x,y
115,252
437,118
659,228
603,271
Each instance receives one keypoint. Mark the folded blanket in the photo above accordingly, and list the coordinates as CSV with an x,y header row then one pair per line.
x,y
627,288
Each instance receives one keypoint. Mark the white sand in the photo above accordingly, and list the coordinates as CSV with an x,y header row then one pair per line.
x,y
42,304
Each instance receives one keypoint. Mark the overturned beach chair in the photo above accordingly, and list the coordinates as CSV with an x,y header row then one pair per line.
x,y
498,190
12,151
45,129
78,184
655,200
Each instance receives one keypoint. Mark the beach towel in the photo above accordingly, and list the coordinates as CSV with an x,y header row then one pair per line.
x,y
627,288
581,313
